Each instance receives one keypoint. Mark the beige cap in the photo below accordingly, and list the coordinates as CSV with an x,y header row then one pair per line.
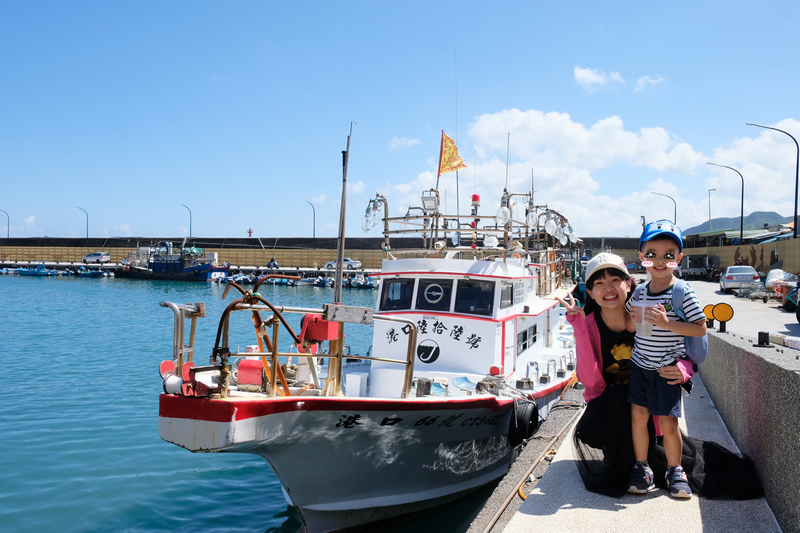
x,y
605,260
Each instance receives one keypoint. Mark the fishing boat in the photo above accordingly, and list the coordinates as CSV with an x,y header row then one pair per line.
x,y
84,272
38,270
470,352
165,261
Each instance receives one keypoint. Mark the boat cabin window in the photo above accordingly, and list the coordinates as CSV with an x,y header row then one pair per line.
x,y
526,338
506,296
474,297
396,294
434,294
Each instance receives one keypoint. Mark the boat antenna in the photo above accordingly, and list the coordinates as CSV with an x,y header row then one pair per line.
x,y
508,149
455,69
337,291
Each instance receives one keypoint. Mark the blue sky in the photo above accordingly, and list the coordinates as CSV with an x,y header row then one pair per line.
x,y
240,111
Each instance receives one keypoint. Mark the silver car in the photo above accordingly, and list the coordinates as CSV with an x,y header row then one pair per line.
x,y
97,257
347,263
736,276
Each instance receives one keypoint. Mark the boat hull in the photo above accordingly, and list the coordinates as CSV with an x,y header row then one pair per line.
x,y
397,456
199,273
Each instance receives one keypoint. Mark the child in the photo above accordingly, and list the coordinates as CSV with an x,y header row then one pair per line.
x,y
660,248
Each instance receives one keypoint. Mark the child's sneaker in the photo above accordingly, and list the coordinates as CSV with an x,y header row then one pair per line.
x,y
677,483
641,480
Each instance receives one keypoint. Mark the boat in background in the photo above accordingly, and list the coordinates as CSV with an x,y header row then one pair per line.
x,y
470,353
167,262
38,270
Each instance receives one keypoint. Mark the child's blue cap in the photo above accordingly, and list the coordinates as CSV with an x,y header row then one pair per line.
x,y
662,227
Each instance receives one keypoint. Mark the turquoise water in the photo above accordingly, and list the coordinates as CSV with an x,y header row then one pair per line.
x,y
80,387
81,451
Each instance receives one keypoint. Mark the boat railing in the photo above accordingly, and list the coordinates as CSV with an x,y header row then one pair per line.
x,y
269,353
551,268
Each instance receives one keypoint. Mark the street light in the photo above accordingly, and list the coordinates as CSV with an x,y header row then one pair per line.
x,y
8,224
741,211
709,208
796,172
87,220
313,221
190,220
675,216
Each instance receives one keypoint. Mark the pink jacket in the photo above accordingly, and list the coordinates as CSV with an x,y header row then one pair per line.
x,y
590,356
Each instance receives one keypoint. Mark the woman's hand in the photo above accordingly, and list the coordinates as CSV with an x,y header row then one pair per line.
x,y
572,307
672,373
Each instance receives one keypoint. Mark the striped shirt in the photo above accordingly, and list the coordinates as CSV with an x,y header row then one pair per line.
x,y
665,346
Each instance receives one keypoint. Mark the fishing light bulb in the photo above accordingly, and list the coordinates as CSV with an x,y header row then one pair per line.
x,y
563,240
366,224
573,237
490,241
531,218
503,215
550,226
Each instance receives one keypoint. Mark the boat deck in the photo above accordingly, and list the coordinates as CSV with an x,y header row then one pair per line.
x,y
560,503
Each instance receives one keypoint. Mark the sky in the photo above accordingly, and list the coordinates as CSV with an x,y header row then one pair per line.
x,y
141,119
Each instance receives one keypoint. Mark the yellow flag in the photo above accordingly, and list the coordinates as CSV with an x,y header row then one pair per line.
x,y
449,159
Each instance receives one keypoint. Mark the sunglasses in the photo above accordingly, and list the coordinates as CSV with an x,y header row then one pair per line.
x,y
652,255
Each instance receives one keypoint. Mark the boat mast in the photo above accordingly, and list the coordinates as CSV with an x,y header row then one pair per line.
x,y
337,291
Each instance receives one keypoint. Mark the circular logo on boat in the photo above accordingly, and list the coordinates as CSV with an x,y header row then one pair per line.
x,y
433,293
428,351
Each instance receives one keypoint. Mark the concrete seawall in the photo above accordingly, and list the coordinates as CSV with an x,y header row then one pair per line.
x,y
757,393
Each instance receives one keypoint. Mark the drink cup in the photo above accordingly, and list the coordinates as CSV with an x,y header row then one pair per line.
x,y
638,308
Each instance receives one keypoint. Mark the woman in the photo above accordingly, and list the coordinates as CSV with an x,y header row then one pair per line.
x,y
602,436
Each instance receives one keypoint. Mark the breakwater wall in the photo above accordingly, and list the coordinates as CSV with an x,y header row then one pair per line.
x,y
253,252
756,391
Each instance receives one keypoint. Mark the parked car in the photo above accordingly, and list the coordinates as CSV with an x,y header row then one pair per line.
x,y
350,264
97,257
736,276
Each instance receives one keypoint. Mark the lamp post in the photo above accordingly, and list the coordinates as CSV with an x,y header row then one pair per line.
x,y
190,220
709,208
8,224
87,220
675,215
741,210
313,222
796,172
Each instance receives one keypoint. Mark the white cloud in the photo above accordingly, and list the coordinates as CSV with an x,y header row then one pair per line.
x,y
648,82
398,143
593,79
319,199
602,176
356,188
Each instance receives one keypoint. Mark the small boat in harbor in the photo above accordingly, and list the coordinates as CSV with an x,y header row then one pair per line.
x,y
470,352
167,262
38,270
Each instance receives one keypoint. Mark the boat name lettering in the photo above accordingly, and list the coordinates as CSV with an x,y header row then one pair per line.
x,y
348,421
482,421
426,421
392,334
473,341
390,421
438,327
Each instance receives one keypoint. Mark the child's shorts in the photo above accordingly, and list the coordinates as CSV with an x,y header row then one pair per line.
x,y
648,389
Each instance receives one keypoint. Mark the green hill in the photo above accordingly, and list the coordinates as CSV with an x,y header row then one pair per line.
x,y
755,220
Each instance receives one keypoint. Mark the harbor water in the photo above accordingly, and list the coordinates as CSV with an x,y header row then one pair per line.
x,y
80,394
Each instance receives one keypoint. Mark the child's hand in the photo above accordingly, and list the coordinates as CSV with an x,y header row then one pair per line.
x,y
572,308
657,316
672,373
